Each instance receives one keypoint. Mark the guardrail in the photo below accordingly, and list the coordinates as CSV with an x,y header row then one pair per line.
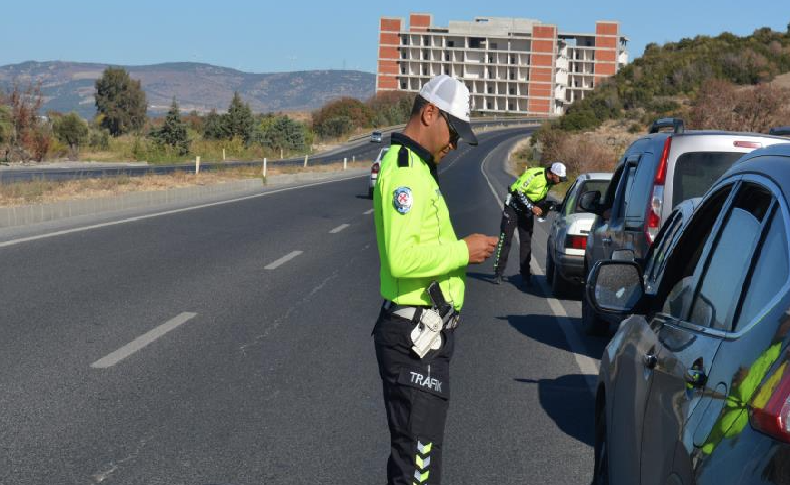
x,y
19,175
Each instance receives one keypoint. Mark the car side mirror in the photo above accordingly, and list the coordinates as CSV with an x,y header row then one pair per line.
x,y
615,286
589,201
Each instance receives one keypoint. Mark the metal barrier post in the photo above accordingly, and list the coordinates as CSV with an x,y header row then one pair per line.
x,y
264,167
197,165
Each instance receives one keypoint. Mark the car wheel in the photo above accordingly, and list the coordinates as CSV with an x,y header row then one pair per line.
x,y
592,324
601,469
549,269
559,285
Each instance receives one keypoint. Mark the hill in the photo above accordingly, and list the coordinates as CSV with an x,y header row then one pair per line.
x,y
68,86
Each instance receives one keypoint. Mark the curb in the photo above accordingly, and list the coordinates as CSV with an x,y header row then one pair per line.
x,y
33,214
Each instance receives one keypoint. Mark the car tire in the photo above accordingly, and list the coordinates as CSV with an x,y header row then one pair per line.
x,y
592,324
549,269
601,450
559,285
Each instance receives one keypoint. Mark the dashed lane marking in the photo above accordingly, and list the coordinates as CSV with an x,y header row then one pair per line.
x,y
283,260
369,211
338,228
142,341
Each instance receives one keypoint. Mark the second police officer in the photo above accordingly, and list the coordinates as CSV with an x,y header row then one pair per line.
x,y
526,199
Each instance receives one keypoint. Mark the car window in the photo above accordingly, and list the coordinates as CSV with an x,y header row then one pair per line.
x,y
572,201
769,273
570,196
627,183
607,198
674,288
728,264
695,173
658,252
636,202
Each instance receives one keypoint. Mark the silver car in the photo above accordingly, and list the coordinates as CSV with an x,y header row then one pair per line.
x,y
568,234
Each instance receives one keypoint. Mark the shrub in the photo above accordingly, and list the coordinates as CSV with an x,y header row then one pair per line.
x,y
72,130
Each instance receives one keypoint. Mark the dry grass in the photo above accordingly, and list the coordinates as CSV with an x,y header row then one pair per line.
x,y
45,191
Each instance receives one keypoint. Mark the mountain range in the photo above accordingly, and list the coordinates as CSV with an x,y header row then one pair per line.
x,y
70,86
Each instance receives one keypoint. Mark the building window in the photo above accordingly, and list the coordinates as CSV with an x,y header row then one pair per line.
x,y
450,43
403,84
490,90
475,42
425,55
404,39
510,106
403,70
512,91
446,56
447,70
489,105
426,40
512,59
490,58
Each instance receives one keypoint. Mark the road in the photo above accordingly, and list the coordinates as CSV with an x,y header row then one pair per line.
x,y
231,344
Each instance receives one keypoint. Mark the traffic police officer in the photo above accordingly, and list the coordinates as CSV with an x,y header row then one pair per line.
x,y
525,199
417,245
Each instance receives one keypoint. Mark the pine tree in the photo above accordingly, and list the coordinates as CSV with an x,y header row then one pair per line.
x,y
239,121
174,131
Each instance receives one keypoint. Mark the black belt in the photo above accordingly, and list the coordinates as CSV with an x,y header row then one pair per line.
x,y
412,312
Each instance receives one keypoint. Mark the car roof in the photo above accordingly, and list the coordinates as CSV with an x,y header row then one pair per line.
x,y
595,176
772,161
691,133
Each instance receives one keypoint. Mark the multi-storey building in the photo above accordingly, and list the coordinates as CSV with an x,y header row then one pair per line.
x,y
509,65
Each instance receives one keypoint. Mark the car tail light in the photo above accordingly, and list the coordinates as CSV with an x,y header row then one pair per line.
x,y
770,407
657,197
747,144
576,242
375,168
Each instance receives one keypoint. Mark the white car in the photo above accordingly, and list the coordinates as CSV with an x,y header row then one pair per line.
x,y
374,171
568,234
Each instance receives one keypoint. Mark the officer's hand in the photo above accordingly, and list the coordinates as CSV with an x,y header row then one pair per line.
x,y
537,210
480,246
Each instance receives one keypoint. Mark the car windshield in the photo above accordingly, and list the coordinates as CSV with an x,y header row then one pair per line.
x,y
695,172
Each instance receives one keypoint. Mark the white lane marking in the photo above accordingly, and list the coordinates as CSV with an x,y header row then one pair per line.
x,y
164,213
141,341
587,365
283,260
369,211
338,228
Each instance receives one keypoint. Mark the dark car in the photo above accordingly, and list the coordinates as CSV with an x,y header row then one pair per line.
x,y
695,385
657,172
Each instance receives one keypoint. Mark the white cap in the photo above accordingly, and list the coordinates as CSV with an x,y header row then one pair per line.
x,y
451,96
558,169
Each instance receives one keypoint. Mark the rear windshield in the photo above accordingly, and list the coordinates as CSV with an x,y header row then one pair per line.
x,y
589,186
695,172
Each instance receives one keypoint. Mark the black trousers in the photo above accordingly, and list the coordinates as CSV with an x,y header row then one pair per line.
x,y
416,397
511,219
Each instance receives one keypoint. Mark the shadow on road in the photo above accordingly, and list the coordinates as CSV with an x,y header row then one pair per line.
x,y
568,401
543,329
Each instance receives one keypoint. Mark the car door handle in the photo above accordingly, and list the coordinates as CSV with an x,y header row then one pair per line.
x,y
695,377
650,361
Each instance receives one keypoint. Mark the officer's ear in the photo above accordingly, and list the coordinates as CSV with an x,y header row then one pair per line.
x,y
429,114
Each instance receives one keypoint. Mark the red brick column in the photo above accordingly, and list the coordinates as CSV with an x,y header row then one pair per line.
x,y
607,34
389,40
541,71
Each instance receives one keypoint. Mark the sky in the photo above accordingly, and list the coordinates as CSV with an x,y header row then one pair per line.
x,y
266,36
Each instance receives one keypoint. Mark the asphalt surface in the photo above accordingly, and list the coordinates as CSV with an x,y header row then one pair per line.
x,y
266,373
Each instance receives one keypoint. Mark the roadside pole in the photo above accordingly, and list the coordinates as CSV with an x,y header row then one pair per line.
x,y
305,160
197,165
264,167
345,162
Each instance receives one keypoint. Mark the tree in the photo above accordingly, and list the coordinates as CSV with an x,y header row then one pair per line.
x,y
173,132
214,126
239,121
281,132
121,101
72,130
